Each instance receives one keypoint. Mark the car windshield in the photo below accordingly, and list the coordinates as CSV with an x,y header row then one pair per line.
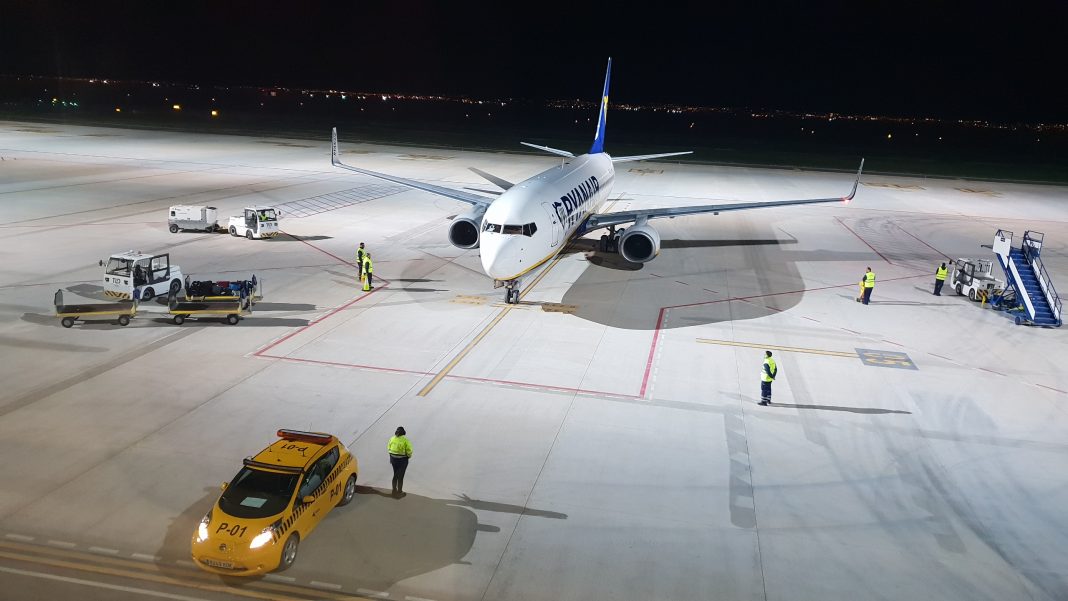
x,y
118,266
257,493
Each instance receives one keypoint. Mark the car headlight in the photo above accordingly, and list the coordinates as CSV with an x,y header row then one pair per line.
x,y
261,539
202,529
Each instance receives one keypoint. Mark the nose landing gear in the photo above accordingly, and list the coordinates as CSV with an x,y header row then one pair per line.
x,y
511,294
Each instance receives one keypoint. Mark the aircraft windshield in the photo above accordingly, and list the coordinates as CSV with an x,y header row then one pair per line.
x,y
511,230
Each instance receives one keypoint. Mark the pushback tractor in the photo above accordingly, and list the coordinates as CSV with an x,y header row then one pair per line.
x,y
148,275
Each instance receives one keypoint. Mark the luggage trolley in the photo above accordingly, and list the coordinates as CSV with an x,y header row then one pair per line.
x,y
232,309
120,313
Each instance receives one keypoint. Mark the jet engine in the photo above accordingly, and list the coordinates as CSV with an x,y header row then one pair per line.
x,y
465,229
639,243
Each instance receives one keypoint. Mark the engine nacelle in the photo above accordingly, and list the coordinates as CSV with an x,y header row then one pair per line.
x,y
639,244
465,229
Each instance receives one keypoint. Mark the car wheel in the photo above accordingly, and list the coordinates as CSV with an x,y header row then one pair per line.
x,y
248,234
960,289
233,231
179,320
174,229
176,285
147,294
124,320
971,294
231,319
67,322
350,491
209,230
289,552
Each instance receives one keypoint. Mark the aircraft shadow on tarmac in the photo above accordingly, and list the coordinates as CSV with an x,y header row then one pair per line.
x,y
375,542
294,238
619,294
866,410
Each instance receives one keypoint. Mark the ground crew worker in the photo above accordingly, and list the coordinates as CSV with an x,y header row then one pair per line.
x,y
869,284
359,261
940,278
767,376
400,451
368,270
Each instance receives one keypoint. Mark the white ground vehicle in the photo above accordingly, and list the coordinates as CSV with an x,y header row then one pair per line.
x,y
152,275
255,223
973,277
187,217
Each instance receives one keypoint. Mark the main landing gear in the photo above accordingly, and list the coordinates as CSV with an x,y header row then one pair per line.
x,y
609,243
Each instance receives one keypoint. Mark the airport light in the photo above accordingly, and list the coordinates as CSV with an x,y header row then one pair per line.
x,y
214,113
176,107
118,110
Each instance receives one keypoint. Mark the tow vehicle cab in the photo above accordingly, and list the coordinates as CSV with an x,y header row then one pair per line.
x,y
149,275
274,503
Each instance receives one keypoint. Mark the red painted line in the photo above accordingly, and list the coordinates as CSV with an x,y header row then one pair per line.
x,y
656,276
944,357
652,352
325,252
990,371
1052,388
683,283
810,319
920,241
773,308
863,240
852,331
893,343
707,290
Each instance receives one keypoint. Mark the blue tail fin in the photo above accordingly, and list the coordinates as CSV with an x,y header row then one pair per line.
x,y
598,138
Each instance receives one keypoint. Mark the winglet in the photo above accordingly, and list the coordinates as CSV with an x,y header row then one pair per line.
x,y
333,147
855,183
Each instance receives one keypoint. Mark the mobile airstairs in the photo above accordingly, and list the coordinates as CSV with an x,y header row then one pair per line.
x,y
1036,300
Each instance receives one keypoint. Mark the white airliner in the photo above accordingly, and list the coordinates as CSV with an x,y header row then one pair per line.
x,y
530,222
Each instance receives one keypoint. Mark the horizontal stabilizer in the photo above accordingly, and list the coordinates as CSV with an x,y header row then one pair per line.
x,y
645,157
562,153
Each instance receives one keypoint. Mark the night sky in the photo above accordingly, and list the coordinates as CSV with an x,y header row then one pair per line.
x,y
1004,61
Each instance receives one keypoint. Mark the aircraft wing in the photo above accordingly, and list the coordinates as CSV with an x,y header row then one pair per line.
x,y
609,219
473,199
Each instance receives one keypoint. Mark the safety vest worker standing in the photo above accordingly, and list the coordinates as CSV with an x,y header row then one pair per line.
x,y
359,261
869,284
767,376
940,279
400,451
368,269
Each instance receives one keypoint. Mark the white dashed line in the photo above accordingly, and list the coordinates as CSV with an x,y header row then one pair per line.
x,y
104,550
370,593
145,557
279,577
20,537
329,585
62,543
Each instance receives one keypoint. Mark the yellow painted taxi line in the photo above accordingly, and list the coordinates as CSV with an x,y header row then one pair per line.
x,y
771,347
176,576
486,330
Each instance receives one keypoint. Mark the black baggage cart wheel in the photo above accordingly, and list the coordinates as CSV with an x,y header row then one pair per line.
x,y
174,229
231,319
179,320
248,234
67,322
124,320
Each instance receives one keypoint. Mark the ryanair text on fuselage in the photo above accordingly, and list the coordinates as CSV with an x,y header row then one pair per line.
x,y
567,208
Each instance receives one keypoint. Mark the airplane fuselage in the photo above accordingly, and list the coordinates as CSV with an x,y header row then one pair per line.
x,y
533,220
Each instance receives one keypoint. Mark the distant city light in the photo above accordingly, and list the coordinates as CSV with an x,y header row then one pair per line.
x,y
176,107
118,110
214,113
888,136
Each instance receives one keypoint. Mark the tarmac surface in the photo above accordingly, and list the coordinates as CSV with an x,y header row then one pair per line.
x,y
601,440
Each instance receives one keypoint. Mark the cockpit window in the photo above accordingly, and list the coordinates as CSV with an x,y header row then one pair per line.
x,y
513,229
529,229
492,227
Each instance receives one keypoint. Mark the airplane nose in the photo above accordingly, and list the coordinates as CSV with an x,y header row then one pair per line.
x,y
497,258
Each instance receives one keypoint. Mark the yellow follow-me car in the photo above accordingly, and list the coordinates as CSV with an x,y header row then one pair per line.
x,y
273,502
